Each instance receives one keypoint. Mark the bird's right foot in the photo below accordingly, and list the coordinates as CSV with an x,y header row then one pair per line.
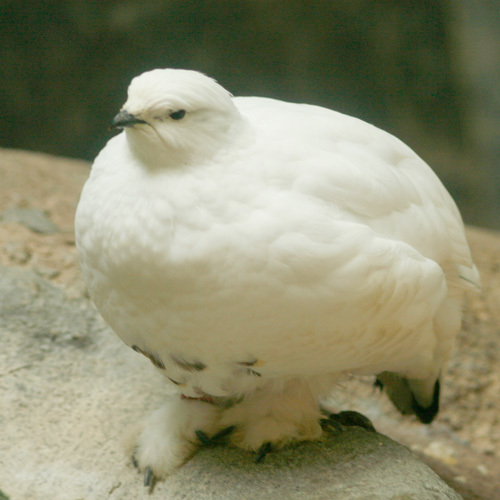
x,y
171,434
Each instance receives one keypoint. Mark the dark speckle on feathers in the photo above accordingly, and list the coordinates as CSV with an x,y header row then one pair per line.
x,y
174,381
196,366
157,362
247,363
152,357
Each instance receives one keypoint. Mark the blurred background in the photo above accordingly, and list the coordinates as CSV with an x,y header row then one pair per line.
x,y
426,71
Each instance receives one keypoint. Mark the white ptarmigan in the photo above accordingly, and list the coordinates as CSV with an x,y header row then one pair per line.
x,y
256,251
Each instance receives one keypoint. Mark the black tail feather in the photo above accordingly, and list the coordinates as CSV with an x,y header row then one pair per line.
x,y
427,415
404,393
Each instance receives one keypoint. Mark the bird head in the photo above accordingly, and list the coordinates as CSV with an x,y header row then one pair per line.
x,y
173,116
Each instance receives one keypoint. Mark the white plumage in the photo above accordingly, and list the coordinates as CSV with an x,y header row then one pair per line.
x,y
257,250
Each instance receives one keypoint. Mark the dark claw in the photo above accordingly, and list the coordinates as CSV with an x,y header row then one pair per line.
x,y
135,462
350,419
262,452
148,477
216,438
223,433
329,424
204,439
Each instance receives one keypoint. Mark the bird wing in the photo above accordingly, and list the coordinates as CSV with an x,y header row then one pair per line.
x,y
374,177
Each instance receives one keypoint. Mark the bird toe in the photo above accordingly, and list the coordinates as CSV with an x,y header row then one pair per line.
x,y
262,452
216,439
338,421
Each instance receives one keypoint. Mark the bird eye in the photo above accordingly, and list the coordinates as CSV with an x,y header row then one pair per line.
x,y
178,115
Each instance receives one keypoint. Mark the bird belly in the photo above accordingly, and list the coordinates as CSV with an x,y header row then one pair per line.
x,y
222,302
225,338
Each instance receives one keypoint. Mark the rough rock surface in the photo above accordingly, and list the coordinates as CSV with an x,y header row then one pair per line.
x,y
69,388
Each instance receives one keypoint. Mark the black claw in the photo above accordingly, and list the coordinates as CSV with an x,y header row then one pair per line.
x,y
223,433
325,423
216,438
262,452
426,415
148,477
331,423
350,419
204,439
135,463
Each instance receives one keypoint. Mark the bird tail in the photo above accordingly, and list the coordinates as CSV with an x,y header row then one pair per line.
x,y
411,396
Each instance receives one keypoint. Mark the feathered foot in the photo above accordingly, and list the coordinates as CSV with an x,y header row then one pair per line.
x,y
171,434
267,419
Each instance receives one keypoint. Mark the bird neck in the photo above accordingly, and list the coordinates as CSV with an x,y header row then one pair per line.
x,y
155,155
200,146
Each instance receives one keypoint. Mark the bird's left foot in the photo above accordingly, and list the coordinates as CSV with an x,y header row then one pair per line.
x,y
338,421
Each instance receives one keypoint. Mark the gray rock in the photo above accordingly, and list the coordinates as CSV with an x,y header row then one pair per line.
x,y
32,218
355,464
69,389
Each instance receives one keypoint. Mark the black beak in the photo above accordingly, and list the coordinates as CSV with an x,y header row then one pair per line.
x,y
124,119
